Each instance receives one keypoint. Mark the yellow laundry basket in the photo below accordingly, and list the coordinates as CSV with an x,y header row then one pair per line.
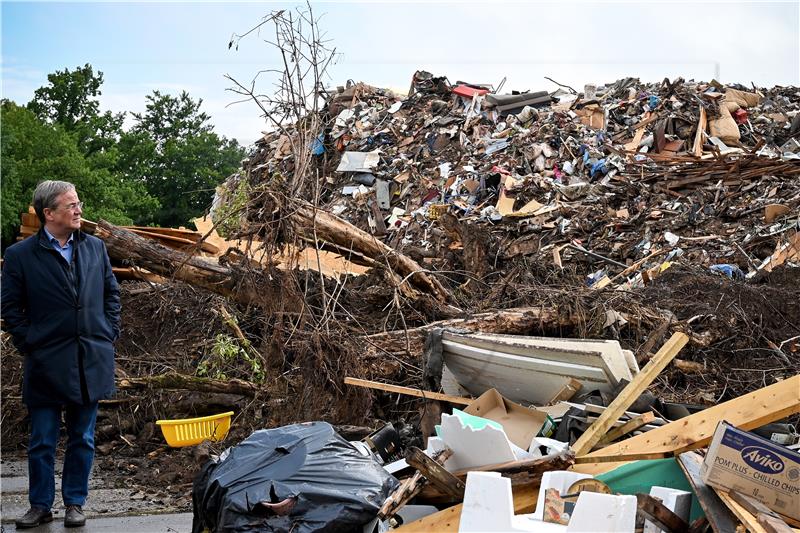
x,y
191,431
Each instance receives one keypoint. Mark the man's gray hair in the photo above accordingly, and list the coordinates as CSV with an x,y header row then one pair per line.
x,y
46,193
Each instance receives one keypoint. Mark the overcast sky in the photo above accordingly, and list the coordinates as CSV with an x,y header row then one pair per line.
x,y
141,46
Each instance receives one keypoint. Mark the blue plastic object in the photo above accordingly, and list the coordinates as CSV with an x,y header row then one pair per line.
x,y
731,271
317,148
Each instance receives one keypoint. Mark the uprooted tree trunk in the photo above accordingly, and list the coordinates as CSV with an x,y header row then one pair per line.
x,y
517,321
230,281
175,381
317,224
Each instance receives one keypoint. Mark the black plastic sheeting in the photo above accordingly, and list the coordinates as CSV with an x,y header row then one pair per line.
x,y
299,478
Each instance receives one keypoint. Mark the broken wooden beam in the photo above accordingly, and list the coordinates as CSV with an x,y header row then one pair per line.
x,y
419,393
631,425
515,321
193,383
766,517
660,515
322,225
630,393
720,518
749,411
436,473
238,284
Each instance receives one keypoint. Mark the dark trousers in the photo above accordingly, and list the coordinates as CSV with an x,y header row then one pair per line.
x,y
45,428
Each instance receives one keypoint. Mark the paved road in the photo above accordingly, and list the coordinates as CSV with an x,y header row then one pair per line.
x,y
107,510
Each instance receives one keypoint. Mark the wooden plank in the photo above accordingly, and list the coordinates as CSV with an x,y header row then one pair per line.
x,y
592,410
435,473
751,504
177,242
793,522
419,393
408,489
701,128
769,519
625,458
631,425
174,232
569,390
747,412
639,125
30,219
660,515
28,230
637,137
719,516
772,524
630,393
749,521
135,273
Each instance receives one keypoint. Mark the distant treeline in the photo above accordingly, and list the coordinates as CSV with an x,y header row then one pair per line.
x,y
161,171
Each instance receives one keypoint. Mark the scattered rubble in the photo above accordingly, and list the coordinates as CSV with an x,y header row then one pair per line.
x,y
545,293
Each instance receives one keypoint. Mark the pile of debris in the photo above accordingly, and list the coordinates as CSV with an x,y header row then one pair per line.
x,y
472,287
631,171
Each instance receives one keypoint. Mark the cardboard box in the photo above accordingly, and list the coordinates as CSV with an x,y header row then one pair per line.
x,y
747,463
521,424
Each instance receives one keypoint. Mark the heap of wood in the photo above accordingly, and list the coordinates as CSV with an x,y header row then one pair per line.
x,y
596,453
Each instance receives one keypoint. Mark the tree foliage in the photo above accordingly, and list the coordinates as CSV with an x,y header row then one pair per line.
x,y
174,151
33,151
162,171
70,100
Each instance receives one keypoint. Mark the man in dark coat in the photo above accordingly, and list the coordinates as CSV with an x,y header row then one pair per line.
x,y
60,302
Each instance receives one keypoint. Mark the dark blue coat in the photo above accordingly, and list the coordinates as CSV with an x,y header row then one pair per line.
x,y
65,330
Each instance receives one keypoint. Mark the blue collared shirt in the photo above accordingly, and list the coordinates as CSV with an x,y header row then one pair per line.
x,y
66,250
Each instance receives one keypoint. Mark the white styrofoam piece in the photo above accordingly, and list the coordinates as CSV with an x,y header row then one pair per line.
x,y
489,507
435,444
554,447
603,513
520,454
488,503
396,466
471,447
677,501
556,479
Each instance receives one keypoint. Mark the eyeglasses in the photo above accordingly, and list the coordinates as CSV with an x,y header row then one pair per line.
x,y
74,205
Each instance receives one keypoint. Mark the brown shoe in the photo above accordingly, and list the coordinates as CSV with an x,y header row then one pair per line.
x,y
34,517
74,516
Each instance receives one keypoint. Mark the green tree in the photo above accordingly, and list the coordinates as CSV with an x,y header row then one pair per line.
x,y
33,151
70,99
174,151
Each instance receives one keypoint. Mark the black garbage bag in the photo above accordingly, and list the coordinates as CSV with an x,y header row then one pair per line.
x,y
299,478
